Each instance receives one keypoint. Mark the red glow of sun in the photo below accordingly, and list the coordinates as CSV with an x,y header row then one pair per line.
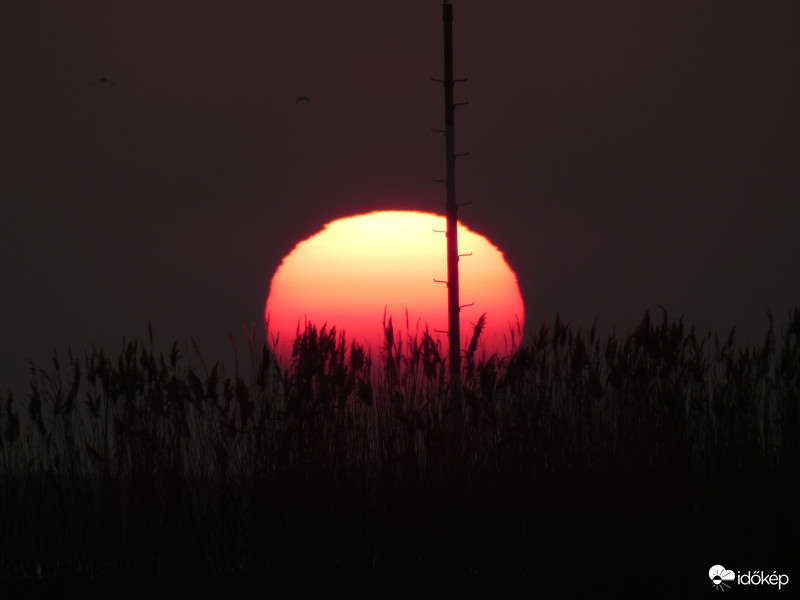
x,y
359,268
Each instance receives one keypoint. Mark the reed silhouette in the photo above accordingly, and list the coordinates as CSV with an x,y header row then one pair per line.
x,y
334,467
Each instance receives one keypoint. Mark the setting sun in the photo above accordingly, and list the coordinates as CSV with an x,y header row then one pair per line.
x,y
358,268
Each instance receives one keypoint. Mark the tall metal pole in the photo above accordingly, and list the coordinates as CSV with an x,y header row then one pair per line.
x,y
451,210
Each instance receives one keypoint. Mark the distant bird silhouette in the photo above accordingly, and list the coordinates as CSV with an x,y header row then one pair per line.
x,y
104,80
302,99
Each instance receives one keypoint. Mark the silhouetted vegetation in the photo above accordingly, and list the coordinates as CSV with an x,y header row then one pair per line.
x,y
596,461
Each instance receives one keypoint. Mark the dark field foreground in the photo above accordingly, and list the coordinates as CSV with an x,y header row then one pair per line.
x,y
574,466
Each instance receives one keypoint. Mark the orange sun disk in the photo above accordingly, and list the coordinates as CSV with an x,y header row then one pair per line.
x,y
360,268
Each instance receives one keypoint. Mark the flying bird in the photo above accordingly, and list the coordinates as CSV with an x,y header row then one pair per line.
x,y
104,80
302,99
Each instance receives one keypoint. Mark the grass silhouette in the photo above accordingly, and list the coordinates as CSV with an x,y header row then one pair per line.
x,y
661,450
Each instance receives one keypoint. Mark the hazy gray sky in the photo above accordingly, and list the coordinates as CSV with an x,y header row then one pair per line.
x,y
622,155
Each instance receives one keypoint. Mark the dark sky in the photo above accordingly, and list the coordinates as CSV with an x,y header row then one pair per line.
x,y
622,155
